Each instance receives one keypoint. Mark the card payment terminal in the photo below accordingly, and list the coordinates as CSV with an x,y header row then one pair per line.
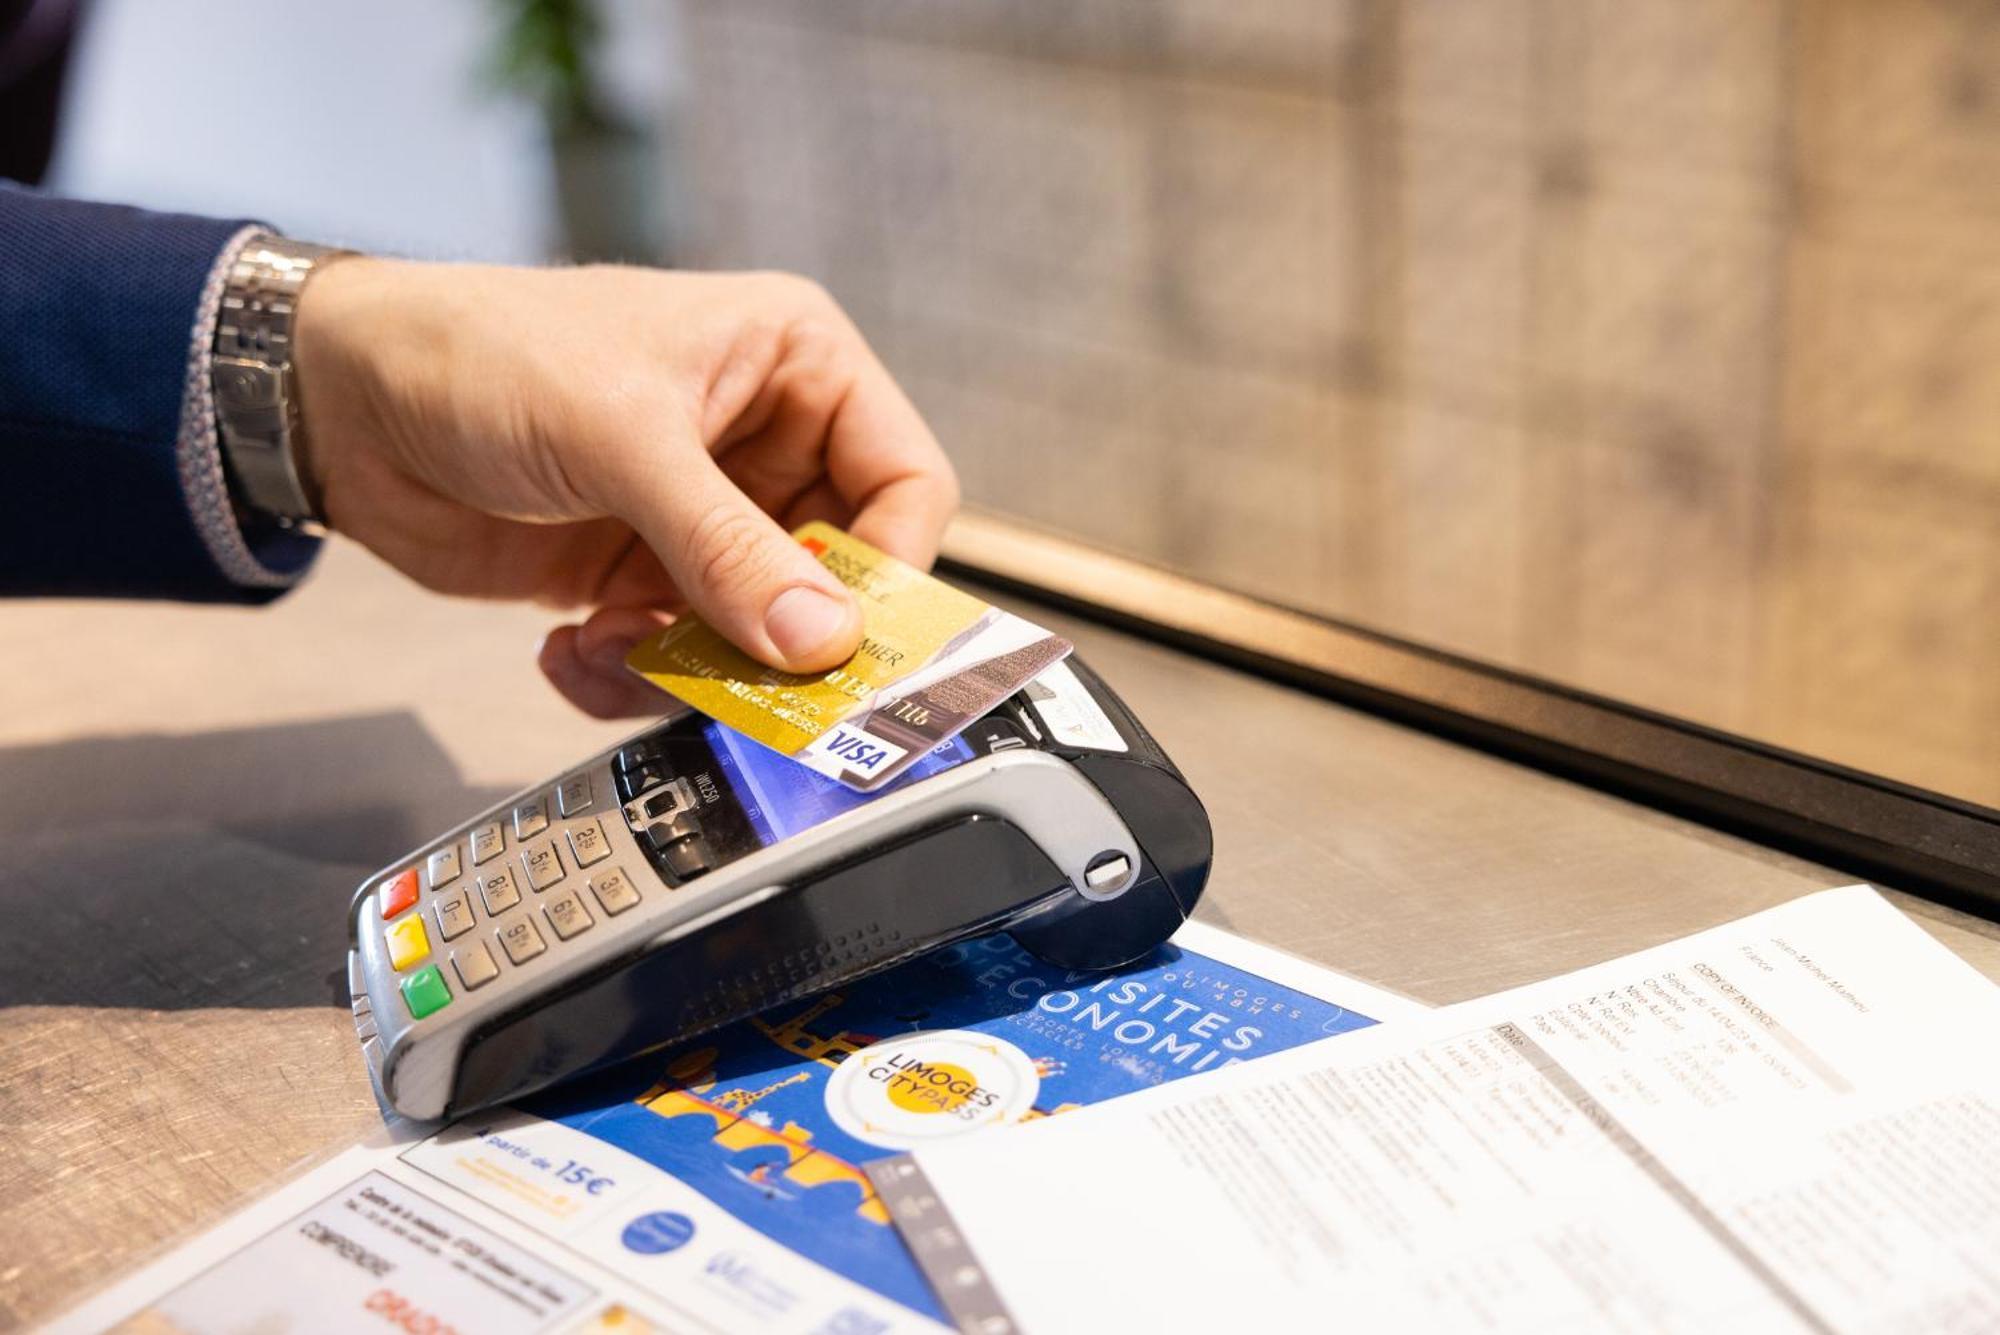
x,y
690,877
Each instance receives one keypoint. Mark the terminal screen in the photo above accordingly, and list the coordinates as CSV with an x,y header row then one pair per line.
x,y
780,797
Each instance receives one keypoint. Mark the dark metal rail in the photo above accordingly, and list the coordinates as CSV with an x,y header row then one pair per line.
x,y
1917,840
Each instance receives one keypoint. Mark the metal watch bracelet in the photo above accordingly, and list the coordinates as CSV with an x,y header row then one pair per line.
x,y
256,398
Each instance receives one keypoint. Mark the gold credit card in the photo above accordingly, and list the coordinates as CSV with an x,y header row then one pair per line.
x,y
913,626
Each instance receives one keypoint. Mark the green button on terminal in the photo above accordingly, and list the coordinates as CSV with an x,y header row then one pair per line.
x,y
425,991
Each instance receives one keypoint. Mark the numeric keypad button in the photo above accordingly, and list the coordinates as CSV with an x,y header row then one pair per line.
x,y
443,866
544,865
454,914
567,914
488,842
500,891
573,794
521,941
531,818
475,966
614,890
587,842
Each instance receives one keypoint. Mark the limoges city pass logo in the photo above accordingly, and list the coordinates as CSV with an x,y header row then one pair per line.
x,y
910,1091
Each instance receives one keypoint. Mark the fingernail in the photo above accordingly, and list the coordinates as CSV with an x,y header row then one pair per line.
x,y
801,620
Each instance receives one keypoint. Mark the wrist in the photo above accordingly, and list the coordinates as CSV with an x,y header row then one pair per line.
x,y
341,304
349,327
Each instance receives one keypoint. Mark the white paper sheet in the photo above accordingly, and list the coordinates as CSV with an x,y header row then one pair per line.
x,y
608,1214
1788,1123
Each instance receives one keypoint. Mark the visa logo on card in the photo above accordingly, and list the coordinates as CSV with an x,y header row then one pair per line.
x,y
857,751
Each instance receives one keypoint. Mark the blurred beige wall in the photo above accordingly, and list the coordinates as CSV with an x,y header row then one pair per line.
x,y
1650,345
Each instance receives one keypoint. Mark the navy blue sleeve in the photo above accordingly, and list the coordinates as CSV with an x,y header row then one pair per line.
x,y
104,427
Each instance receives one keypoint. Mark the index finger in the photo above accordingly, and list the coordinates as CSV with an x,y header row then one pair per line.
x,y
885,464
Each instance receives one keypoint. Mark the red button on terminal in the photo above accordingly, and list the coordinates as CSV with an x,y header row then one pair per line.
x,y
399,893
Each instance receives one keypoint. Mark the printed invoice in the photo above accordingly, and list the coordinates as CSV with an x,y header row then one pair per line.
x,y
1791,1122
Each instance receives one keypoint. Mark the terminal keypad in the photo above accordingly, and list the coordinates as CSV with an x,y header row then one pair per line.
x,y
486,917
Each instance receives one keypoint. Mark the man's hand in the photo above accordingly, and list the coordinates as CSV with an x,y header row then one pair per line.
x,y
629,441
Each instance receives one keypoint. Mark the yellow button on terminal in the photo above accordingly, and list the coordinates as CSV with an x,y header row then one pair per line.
x,y
407,943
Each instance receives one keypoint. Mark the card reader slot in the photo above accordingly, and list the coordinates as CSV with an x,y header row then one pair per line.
x,y
944,884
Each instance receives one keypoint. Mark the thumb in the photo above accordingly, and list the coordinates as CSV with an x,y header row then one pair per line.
x,y
746,576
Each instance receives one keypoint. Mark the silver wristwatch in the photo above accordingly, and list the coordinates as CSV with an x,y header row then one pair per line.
x,y
256,400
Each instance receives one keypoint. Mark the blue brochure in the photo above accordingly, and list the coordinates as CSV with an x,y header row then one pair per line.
x,y
773,1119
